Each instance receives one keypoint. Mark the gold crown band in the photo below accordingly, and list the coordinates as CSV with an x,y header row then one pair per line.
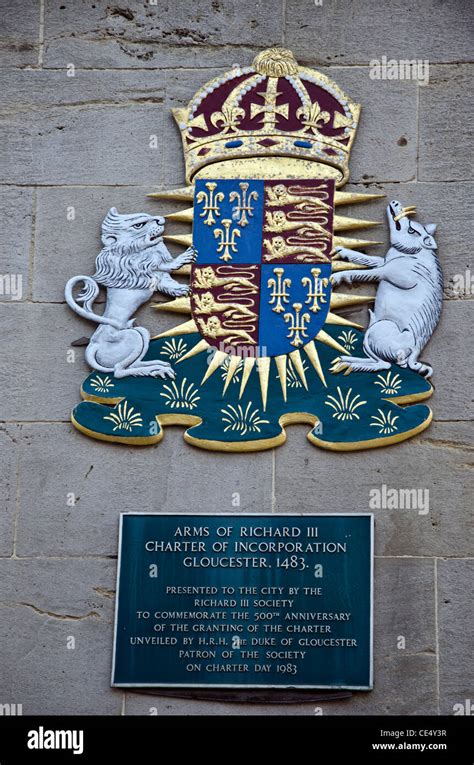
x,y
227,140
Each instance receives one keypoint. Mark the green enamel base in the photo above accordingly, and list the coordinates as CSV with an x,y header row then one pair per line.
x,y
129,410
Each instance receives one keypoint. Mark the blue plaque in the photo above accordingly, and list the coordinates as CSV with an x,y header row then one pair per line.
x,y
244,601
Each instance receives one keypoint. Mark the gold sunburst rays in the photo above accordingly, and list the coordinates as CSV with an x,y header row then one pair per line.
x,y
183,194
263,369
341,222
234,363
263,364
333,318
339,301
216,361
200,347
353,244
297,362
346,223
281,364
354,198
186,194
177,305
182,216
186,240
323,337
184,270
187,328
344,265
249,364
312,354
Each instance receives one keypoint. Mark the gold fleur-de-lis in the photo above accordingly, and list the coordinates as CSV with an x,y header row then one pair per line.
x,y
315,287
297,328
227,236
211,203
313,117
279,287
229,118
244,203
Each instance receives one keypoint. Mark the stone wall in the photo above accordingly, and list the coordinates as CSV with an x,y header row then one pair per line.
x,y
82,143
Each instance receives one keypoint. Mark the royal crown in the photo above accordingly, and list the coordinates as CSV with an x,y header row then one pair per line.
x,y
273,108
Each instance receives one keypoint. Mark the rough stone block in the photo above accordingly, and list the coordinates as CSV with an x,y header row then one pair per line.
x,y
9,436
354,33
57,460
445,152
95,127
384,148
84,146
450,344
157,35
437,460
43,604
180,87
24,90
36,379
15,241
38,382
456,645
19,41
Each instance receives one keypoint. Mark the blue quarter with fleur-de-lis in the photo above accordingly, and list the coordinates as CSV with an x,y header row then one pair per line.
x,y
294,303
227,225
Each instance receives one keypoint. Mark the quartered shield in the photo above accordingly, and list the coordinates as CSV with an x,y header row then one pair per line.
x,y
260,285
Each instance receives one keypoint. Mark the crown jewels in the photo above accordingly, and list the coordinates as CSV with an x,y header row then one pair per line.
x,y
273,108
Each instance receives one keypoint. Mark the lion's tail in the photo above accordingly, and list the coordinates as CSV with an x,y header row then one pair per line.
x,y
88,293
87,297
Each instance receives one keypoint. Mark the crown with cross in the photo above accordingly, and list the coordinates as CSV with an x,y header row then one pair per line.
x,y
273,108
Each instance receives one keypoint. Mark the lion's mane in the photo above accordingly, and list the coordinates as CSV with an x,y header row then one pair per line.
x,y
128,266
